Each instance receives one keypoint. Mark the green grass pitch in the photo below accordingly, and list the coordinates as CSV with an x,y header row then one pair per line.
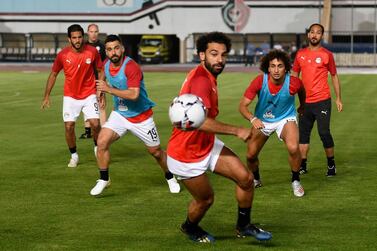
x,y
44,205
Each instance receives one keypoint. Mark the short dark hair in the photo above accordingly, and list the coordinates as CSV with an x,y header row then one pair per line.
x,y
316,24
112,38
73,28
212,37
275,54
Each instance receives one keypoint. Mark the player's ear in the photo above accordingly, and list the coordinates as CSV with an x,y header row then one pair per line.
x,y
202,56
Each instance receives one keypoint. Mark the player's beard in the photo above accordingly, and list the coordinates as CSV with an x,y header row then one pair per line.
x,y
77,45
115,59
314,42
211,68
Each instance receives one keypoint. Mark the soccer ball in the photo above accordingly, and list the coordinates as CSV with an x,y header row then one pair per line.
x,y
187,112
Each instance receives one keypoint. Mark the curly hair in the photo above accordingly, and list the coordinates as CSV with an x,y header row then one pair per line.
x,y
275,54
212,37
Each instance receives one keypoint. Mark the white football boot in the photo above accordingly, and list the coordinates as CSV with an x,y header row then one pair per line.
x,y
298,190
99,187
73,161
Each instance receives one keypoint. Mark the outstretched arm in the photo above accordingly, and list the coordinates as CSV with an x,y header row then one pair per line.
x,y
214,126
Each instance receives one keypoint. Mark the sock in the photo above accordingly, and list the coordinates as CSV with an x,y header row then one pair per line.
x,y
295,176
73,150
95,142
330,161
189,226
168,175
104,174
243,216
303,164
256,174
88,131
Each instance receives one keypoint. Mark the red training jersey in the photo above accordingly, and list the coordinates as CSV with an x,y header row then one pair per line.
x,y
314,66
134,77
256,85
78,69
194,146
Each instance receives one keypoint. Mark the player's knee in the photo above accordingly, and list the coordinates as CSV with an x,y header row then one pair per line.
x,y
246,183
206,203
156,152
327,140
251,156
293,148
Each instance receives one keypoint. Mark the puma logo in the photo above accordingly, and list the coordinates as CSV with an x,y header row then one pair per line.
x,y
324,112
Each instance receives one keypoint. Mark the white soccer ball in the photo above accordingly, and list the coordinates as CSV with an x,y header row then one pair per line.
x,y
187,112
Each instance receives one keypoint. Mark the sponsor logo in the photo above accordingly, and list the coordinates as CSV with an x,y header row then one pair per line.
x,y
68,61
235,14
268,115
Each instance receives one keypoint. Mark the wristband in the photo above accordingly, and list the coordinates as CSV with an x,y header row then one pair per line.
x,y
252,120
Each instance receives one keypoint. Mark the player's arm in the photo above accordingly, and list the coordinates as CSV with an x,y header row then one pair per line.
x,y
336,84
131,93
296,67
245,112
213,126
49,85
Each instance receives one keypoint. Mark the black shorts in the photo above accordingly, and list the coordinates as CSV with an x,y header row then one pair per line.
x,y
320,112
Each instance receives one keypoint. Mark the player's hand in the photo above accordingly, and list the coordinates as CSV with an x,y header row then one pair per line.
x,y
45,103
102,86
339,105
244,133
257,124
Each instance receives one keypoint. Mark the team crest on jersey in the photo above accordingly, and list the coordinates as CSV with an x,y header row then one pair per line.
x,y
318,60
66,115
88,61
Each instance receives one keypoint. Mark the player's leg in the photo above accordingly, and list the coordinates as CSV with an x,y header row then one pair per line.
x,y
323,116
105,139
203,197
254,145
160,156
229,165
91,113
71,111
306,122
147,132
290,136
113,129
88,130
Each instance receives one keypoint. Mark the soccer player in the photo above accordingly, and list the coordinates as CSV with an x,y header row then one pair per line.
x,y
132,112
314,63
93,40
192,153
78,61
275,112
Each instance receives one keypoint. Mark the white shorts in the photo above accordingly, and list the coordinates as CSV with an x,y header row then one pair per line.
x,y
72,108
183,170
146,131
270,128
